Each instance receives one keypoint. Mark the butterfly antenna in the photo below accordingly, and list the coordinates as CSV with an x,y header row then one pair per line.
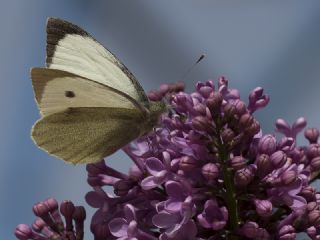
x,y
192,66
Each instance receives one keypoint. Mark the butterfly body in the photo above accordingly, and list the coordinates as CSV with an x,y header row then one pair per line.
x,y
91,104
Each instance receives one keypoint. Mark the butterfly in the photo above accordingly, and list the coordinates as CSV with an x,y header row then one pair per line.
x,y
91,105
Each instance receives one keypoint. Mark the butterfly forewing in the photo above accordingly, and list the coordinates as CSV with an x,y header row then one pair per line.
x,y
87,135
72,49
57,90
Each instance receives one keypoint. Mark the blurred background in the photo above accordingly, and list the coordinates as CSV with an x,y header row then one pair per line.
x,y
273,44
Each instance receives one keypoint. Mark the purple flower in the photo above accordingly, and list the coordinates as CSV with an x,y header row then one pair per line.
x,y
287,232
213,216
257,99
312,134
206,171
127,226
267,144
263,207
49,224
175,219
160,171
291,132
288,182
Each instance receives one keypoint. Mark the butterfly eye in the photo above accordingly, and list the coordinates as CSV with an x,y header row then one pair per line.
x,y
69,94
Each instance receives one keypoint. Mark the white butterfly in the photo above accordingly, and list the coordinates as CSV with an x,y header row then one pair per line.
x,y
91,104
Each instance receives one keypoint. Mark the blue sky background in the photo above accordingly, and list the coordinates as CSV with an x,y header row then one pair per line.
x,y
273,44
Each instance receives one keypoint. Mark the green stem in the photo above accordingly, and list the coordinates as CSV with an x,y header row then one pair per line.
x,y
229,184
230,197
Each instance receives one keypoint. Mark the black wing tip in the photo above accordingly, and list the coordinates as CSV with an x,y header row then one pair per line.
x,y
57,29
60,28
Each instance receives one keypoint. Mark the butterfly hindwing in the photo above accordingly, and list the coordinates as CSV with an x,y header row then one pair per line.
x,y
87,135
71,49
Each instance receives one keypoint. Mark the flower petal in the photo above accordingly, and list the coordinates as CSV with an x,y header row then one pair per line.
x,y
175,190
165,220
118,227
94,199
149,183
173,205
154,165
129,212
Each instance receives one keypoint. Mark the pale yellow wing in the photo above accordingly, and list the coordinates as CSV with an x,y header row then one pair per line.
x,y
87,135
72,49
57,90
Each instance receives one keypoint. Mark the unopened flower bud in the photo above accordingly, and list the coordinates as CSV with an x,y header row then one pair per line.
x,y
267,144
287,232
23,232
177,87
257,99
287,144
308,193
312,232
227,135
79,216
243,176
79,213
164,89
238,162
288,177
205,88
250,229
101,231
96,168
283,127
154,95
214,101
318,198
240,107
313,150
67,208
205,91
122,187
311,206
246,121
315,164
200,109
210,171
314,217
253,129
312,134
298,125
278,159
38,225
187,163
223,81
52,204
263,207
264,165
201,123
40,209
229,109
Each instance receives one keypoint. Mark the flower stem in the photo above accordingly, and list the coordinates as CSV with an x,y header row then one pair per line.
x,y
230,196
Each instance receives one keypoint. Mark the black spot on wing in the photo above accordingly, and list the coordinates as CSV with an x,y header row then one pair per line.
x,y
69,94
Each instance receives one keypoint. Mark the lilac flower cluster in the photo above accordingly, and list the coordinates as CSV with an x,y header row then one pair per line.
x,y
206,172
49,224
